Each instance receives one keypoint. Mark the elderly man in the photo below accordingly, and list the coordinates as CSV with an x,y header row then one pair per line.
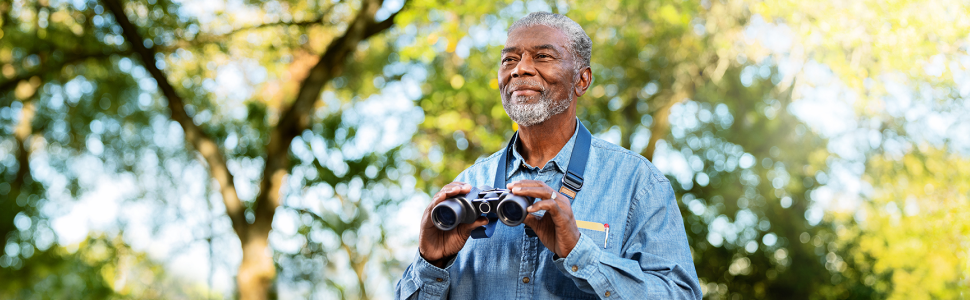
x,y
610,229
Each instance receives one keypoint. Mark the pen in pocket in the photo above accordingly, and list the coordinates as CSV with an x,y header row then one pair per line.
x,y
607,228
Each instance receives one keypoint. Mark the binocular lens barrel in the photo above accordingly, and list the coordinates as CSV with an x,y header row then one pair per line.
x,y
512,210
445,215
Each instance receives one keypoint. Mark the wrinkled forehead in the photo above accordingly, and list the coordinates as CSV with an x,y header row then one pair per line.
x,y
534,37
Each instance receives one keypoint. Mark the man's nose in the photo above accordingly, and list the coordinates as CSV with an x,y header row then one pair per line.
x,y
525,67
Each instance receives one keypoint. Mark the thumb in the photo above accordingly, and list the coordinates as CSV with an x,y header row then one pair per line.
x,y
481,221
466,229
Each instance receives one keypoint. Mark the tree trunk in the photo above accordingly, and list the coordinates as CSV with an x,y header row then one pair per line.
x,y
659,128
257,270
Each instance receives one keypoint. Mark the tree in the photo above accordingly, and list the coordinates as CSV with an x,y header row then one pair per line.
x,y
87,42
257,271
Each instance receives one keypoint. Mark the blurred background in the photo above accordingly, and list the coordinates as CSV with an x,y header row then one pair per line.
x,y
286,149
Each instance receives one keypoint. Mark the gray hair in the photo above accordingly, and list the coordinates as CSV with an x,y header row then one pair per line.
x,y
580,45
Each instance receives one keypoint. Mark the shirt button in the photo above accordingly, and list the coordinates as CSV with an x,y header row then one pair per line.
x,y
607,293
439,280
525,279
575,268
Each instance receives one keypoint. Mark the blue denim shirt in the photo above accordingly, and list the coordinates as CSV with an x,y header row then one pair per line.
x,y
643,255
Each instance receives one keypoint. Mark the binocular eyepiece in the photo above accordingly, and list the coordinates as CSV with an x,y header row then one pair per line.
x,y
509,208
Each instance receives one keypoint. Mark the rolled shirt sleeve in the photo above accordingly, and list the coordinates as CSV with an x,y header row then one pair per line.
x,y
422,280
655,262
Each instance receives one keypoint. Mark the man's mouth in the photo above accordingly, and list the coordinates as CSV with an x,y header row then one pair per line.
x,y
525,92
525,88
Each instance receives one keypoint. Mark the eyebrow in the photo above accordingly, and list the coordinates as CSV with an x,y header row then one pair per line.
x,y
539,47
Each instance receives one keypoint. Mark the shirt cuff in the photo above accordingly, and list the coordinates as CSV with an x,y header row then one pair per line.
x,y
581,261
431,280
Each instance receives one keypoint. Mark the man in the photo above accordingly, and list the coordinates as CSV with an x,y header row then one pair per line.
x,y
619,234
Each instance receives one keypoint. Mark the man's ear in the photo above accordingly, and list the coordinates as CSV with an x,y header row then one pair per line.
x,y
585,79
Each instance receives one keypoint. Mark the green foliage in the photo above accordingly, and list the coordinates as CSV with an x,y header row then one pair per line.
x,y
745,207
97,268
881,37
916,227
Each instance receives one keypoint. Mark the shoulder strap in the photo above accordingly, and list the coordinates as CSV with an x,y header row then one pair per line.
x,y
572,181
502,163
487,230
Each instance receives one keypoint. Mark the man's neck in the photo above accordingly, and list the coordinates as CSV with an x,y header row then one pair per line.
x,y
542,142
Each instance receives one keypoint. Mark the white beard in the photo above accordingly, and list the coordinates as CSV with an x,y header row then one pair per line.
x,y
527,112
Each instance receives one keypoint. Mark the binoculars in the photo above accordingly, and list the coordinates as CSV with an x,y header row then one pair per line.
x,y
509,208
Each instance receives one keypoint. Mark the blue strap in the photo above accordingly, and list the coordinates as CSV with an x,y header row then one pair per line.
x,y
487,230
503,161
572,181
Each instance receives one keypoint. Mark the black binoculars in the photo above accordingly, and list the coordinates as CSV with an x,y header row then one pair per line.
x,y
481,201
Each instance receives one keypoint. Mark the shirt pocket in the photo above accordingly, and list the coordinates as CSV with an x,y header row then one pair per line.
x,y
596,232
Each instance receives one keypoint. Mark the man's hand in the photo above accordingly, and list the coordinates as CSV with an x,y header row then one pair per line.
x,y
437,246
557,228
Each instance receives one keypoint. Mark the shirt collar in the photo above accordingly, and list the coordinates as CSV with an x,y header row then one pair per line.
x,y
561,161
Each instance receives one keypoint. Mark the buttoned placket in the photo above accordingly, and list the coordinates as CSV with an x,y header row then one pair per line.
x,y
529,260
531,246
527,268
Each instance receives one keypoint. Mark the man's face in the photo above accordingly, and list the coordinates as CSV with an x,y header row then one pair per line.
x,y
536,77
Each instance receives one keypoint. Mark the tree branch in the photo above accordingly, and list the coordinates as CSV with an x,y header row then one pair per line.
x,y
380,26
7,85
331,65
296,117
21,133
212,38
274,24
202,143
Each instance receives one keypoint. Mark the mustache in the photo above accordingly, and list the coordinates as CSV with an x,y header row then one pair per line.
x,y
525,83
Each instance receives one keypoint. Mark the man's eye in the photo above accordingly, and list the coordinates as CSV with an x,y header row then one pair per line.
x,y
544,56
